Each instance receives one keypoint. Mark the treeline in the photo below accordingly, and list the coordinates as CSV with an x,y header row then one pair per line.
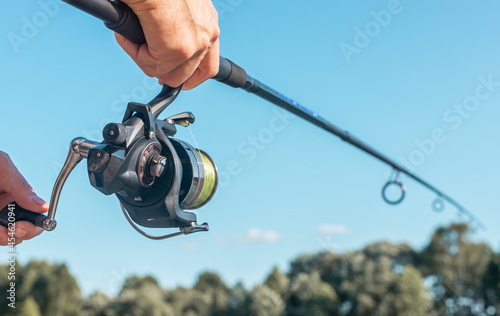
x,y
451,276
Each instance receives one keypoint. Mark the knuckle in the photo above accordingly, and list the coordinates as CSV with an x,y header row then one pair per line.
x,y
204,45
215,33
184,52
4,158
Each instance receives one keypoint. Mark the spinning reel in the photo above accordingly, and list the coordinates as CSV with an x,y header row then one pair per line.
x,y
156,178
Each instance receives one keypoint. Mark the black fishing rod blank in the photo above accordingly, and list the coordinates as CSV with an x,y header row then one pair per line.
x,y
120,18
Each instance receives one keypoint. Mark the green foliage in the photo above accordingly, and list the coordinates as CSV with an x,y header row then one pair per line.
x,y
265,302
408,298
95,305
457,267
43,288
490,290
209,281
309,295
382,279
278,282
136,282
28,307
147,300
411,297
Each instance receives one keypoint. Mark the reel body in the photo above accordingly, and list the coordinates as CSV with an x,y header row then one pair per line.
x,y
155,177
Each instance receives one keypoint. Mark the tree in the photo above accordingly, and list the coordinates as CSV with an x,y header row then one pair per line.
x,y
211,284
96,304
490,290
190,302
382,279
309,295
239,301
28,307
147,300
278,282
50,288
136,282
409,297
412,298
456,266
265,302
208,281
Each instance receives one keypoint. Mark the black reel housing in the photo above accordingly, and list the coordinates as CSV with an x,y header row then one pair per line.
x,y
155,177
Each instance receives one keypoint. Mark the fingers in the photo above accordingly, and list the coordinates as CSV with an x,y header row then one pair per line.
x,y
182,41
151,66
22,231
208,68
3,236
26,230
173,73
182,73
13,183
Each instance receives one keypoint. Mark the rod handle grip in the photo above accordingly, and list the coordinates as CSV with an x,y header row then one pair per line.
x,y
231,74
128,24
20,214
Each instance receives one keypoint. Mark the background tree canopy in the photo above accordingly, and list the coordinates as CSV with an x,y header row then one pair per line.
x,y
450,276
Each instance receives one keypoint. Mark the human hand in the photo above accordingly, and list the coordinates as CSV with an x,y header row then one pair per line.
x,y
182,41
13,187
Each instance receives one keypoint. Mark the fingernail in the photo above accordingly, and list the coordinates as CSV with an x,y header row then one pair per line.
x,y
20,233
38,200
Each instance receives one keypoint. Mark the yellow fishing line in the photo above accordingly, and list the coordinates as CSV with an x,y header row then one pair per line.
x,y
210,183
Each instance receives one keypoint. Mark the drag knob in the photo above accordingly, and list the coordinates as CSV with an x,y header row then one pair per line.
x,y
157,166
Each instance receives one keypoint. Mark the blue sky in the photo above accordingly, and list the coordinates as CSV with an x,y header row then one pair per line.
x,y
412,71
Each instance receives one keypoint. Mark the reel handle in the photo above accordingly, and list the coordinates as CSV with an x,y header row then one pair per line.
x,y
118,17
78,150
18,214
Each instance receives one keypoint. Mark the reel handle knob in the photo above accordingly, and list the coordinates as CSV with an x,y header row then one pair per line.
x,y
14,213
115,134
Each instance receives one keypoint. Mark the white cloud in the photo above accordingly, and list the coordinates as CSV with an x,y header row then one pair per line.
x,y
329,229
191,245
255,235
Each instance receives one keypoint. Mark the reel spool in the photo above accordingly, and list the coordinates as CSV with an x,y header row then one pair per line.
x,y
200,179
156,178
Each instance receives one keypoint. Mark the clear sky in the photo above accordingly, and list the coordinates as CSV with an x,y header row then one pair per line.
x,y
395,78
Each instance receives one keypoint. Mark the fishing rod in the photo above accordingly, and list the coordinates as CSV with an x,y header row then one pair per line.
x,y
118,17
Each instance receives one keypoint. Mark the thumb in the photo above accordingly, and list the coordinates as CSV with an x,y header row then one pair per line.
x,y
27,199
13,183
131,48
